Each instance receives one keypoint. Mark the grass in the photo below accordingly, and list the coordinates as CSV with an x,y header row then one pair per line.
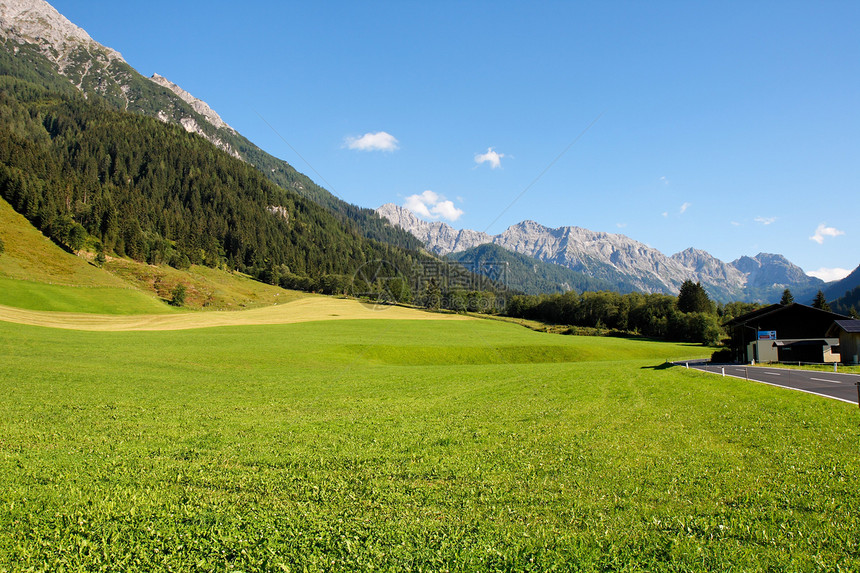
x,y
89,299
409,446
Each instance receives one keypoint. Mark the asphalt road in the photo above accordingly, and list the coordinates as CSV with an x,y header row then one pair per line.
x,y
828,384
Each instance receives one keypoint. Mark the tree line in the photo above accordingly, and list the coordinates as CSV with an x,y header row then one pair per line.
x,y
689,317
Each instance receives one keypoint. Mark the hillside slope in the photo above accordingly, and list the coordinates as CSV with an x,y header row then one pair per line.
x,y
37,274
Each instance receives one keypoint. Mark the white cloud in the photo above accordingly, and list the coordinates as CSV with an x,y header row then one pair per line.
x,y
735,224
665,213
491,157
664,180
620,225
379,141
828,275
431,205
824,231
684,207
765,220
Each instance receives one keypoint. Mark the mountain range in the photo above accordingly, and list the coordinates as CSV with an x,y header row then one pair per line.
x,y
620,261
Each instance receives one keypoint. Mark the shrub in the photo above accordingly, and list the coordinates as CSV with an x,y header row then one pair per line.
x,y
722,355
178,293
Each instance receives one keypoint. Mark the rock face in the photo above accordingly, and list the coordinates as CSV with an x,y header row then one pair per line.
x,y
92,67
36,22
198,105
438,238
767,270
617,258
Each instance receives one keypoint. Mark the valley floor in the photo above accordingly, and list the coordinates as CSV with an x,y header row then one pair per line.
x,y
406,445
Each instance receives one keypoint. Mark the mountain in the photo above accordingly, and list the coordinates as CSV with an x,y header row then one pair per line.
x,y
845,294
724,280
525,274
619,260
612,258
41,46
840,288
768,275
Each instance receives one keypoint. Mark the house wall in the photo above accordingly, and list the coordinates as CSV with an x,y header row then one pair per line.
x,y
850,343
767,352
830,356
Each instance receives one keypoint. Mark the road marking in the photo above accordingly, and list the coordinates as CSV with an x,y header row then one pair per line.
x,y
854,402
773,373
825,380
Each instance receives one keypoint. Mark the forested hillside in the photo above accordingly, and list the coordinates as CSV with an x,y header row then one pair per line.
x,y
848,304
153,192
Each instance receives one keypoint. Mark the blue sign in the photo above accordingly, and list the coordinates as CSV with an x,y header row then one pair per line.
x,y
767,335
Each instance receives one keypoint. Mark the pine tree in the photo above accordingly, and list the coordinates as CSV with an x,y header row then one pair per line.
x,y
787,298
820,302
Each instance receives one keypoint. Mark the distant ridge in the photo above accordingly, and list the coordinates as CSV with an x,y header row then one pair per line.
x,y
619,260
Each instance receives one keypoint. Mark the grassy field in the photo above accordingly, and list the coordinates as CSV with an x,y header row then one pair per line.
x,y
409,446
88,299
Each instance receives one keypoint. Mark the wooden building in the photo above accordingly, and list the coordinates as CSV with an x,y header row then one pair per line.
x,y
785,333
848,332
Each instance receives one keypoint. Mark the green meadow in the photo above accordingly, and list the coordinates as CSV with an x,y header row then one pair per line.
x,y
409,446
67,298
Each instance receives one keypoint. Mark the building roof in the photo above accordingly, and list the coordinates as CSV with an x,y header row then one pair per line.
x,y
848,325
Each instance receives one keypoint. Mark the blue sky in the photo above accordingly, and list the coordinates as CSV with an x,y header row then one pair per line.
x,y
732,127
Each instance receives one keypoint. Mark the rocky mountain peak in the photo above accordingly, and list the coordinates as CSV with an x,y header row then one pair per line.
x,y
772,270
38,23
438,237
94,68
